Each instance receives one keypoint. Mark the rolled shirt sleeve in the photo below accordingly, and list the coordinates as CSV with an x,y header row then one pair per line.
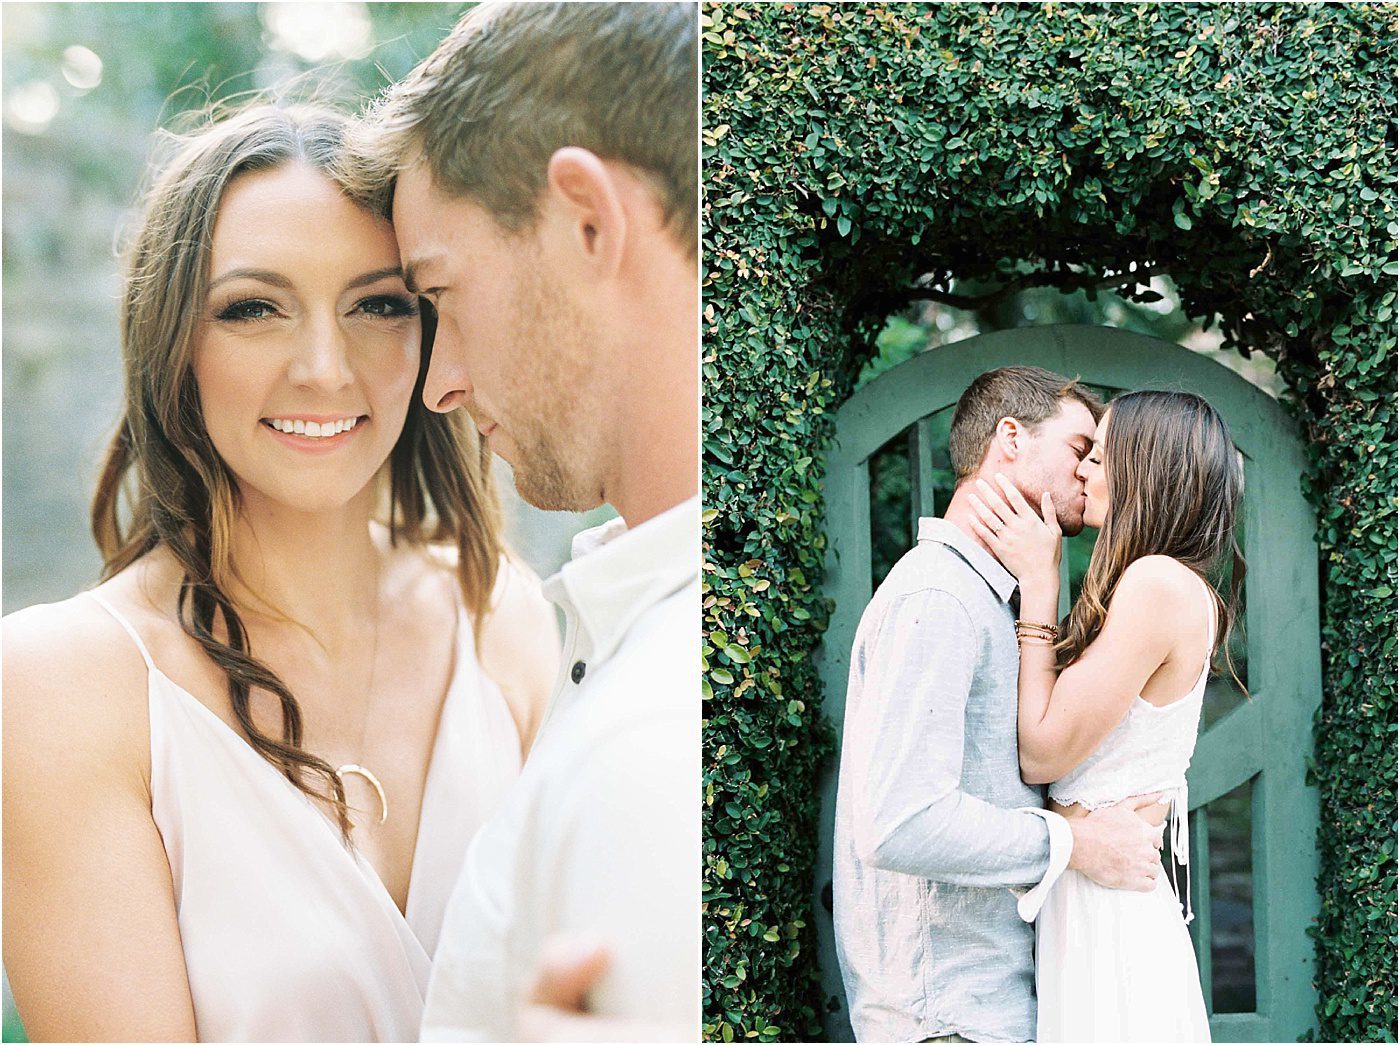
x,y
1061,842
911,813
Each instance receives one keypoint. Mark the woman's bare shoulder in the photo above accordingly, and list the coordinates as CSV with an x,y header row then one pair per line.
x,y
72,673
520,619
1160,594
517,610
75,690
1156,577
518,636
76,640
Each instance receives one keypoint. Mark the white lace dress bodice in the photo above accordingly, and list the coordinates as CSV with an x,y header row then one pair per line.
x,y
1116,964
1148,752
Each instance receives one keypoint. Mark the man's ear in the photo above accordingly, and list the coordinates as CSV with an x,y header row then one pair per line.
x,y
1009,437
587,200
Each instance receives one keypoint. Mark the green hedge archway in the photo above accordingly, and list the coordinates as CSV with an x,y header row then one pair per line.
x,y
1247,151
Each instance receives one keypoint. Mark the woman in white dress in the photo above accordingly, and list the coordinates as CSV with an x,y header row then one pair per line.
x,y
1109,708
241,773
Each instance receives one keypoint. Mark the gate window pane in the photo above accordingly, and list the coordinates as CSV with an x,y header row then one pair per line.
x,y
1232,900
891,492
889,507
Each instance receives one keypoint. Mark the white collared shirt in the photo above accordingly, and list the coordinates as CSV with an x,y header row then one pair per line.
x,y
934,825
600,839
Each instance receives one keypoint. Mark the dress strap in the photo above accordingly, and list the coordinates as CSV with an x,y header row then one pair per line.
x,y
1212,618
126,624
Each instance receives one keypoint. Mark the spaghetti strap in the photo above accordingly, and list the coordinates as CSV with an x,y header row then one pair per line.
x,y
1212,617
126,624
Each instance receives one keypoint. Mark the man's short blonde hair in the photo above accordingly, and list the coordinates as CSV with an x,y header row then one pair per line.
x,y
1027,393
514,82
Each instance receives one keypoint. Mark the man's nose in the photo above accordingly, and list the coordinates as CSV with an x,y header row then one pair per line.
x,y
446,386
451,401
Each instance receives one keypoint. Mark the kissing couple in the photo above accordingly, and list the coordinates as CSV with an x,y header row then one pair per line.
x,y
310,762
967,696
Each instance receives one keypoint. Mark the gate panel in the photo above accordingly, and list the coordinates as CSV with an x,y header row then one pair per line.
x,y
1265,739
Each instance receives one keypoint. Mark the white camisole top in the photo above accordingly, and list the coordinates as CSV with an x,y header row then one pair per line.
x,y
288,935
1148,751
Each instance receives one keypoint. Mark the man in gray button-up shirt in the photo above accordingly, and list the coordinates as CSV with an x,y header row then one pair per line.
x,y
934,826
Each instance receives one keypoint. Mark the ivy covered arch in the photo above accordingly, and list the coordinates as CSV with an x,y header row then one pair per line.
x,y
858,156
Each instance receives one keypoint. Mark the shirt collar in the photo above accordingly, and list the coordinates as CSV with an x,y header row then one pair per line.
x,y
617,574
941,531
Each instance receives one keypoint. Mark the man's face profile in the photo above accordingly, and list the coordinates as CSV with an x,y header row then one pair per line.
x,y
1049,459
512,347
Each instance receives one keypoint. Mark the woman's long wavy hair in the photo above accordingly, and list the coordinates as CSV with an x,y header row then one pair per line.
x,y
164,484
1174,484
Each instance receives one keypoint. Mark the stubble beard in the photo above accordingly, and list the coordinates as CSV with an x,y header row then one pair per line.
x,y
542,481
1070,517
1071,523
554,402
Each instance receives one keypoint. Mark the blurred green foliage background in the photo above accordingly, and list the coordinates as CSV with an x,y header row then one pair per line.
x,y
85,87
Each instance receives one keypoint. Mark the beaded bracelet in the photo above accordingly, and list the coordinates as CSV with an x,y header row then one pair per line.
x,y
1030,628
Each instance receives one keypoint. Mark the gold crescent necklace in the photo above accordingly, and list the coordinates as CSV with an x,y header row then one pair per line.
x,y
352,768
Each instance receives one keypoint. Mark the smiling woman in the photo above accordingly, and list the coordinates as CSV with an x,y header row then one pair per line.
x,y
306,611
310,344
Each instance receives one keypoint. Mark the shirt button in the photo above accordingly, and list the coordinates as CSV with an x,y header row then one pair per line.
x,y
577,674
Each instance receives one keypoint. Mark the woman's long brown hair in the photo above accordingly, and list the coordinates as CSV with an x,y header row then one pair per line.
x,y
1174,484
164,484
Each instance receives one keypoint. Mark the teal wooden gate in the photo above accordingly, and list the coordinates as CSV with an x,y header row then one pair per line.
x,y
1254,750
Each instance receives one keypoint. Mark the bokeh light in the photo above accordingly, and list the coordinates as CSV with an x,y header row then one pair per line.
x,y
31,107
82,67
316,32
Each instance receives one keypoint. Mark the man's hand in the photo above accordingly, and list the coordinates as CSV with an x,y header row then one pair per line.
x,y
1026,541
556,1008
1116,847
